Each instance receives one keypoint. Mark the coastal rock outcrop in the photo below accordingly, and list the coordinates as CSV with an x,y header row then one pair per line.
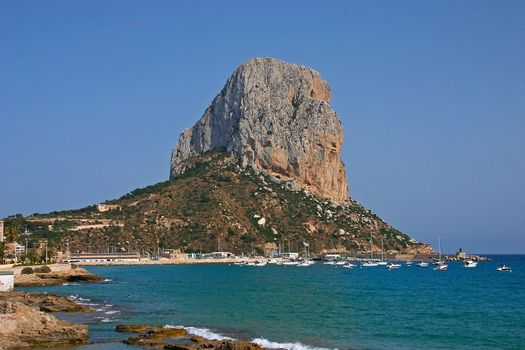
x,y
77,274
22,326
274,116
161,337
44,302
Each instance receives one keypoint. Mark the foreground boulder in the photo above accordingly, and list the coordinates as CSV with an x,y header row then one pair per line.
x,y
44,302
22,326
198,343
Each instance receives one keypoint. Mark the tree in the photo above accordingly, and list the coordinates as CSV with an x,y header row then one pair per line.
x,y
2,252
12,234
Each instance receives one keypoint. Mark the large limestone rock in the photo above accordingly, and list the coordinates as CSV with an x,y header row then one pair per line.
x,y
22,326
275,116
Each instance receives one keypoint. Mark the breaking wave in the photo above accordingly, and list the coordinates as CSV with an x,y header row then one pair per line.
x,y
265,343
202,332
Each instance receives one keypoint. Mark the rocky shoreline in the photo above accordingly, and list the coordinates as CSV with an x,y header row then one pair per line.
x,y
25,321
175,338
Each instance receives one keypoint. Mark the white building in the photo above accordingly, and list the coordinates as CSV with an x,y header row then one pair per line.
x,y
7,281
19,249
220,255
291,256
332,257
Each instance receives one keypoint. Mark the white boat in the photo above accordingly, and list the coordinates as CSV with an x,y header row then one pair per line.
x,y
409,263
306,263
504,268
440,265
329,263
340,263
349,266
273,261
470,263
290,262
393,266
422,264
369,264
383,261
260,263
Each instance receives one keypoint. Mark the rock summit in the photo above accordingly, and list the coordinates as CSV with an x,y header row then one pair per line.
x,y
275,116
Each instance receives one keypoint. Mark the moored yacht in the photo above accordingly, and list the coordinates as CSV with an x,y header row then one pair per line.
x,y
504,268
440,264
393,266
383,261
470,263
369,263
422,264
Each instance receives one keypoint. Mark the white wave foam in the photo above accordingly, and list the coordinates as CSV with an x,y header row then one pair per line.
x,y
112,312
87,304
267,344
202,332
73,297
108,280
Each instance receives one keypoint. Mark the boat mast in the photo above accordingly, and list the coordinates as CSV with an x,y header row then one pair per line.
x,y
371,256
439,244
382,251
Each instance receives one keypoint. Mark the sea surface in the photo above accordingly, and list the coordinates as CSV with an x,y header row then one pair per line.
x,y
320,306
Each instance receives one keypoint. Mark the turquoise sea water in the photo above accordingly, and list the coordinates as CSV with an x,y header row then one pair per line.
x,y
318,306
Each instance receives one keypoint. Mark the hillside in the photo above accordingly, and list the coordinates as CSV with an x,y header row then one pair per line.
x,y
216,201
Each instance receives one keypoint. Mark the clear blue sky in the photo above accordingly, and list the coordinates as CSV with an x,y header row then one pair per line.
x,y
94,94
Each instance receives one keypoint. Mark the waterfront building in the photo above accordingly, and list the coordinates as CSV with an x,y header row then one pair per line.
x,y
332,257
100,257
7,281
291,256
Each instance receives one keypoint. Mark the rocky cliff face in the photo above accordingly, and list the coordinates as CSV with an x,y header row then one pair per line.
x,y
274,116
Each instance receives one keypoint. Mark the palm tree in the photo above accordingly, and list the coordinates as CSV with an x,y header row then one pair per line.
x,y
2,252
12,234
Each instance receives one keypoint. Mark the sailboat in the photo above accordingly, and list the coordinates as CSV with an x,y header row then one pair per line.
x,y
440,265
307,261
383,261
371,262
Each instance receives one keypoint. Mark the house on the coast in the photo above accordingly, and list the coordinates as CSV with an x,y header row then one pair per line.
x,y
7,281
